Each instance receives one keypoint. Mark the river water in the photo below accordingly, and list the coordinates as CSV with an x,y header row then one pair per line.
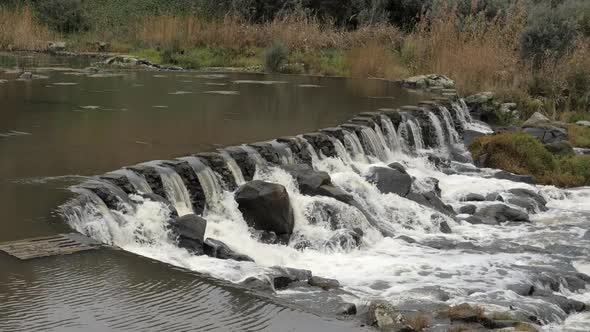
x,y
56,131
60,130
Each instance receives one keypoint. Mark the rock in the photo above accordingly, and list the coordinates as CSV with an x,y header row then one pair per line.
x,y
384,316
265,206
439,162
347,309
258,284
583,123
547,135
561,148
322,144
26,76
471,135
586,235
190,232
398,167
501,213
309,180
324,283
218,249
444,227
503,175
467,209
56,47
282,277
539,200
265,237
472,197
536,120
480,98
389,180
336,193
568,305
477,221
430,200
428,81
346,239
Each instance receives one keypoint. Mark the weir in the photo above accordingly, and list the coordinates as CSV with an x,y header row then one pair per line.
x,y
381,201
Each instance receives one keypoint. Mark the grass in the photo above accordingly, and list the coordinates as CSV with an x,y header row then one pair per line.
x,y
579,136
19,30
522,154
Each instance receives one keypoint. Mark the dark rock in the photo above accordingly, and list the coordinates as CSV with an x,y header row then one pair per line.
x,y
258,284
268,152
561,148
471,135
191,182
526,193
398,167
266,237
522,289
501,213
439,162
297,146
503,175
406,239
461,156
445,228
245,162
219,165
347,309
389,180
568,305
321,143
283,277
547,135
218,249
472,197
467,209
265,206
336,193
152,177
309,180
586,235
324,283
430,200
478,221
189,231
383,315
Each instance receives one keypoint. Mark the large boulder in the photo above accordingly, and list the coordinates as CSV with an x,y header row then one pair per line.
x,y
500,213
189,231
543,129
218,249
527,199
266,207
389,180
309,180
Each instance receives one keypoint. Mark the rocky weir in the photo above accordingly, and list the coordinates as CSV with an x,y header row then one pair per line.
x,y
383,218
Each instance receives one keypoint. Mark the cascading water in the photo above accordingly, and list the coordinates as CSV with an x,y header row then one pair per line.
x,y
419,264
137,181
448,120
440,135
284,152
175,190
393,139
234,168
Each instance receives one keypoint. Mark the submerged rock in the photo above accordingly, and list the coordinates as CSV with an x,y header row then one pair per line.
x,y
324,283
501,213
283,277
472,197
432,201
265,206
503,175
189,231
389,180
218,249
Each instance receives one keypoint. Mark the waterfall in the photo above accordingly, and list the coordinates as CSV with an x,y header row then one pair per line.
x,y
254,156
448,120
234,168
440,135
341,150
414,130
354,146
175,189
137,181
284,152
374,143
464,110
391,133
208,179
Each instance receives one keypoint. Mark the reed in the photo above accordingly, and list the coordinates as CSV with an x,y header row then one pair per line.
x,y
19,30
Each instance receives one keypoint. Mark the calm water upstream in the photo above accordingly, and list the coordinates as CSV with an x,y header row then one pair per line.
x,y
56,131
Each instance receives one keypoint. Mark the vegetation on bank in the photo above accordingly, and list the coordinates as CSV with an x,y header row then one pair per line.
x,y
521,153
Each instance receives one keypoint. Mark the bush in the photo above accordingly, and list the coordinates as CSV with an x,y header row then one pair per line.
x,y
65,16
274,57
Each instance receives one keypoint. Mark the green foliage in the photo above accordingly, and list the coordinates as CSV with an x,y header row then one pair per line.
x,y
65,16
274,57
579,136
328,62
523,154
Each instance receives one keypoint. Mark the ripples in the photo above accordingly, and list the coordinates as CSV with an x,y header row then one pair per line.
x,y
114,291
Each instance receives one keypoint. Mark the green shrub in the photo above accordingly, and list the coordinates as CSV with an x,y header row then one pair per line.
x,y
274,57
65,16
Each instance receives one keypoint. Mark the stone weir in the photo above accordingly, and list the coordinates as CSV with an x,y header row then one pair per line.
x,y
191,185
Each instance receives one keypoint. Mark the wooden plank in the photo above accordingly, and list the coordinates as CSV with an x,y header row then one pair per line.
x,y
61,244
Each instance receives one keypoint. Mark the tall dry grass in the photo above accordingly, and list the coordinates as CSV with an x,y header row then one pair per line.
x,y
479,53
19,30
